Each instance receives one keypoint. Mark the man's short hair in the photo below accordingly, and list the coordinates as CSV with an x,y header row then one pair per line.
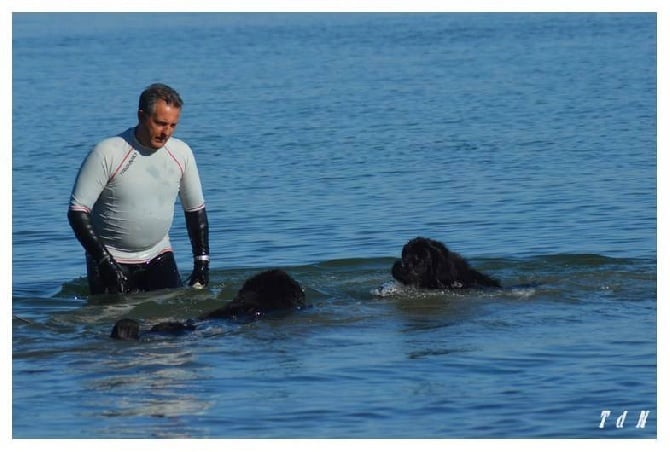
x,y
155,92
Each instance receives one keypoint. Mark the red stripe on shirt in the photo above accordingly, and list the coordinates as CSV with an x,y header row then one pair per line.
x,y
130,149
175,160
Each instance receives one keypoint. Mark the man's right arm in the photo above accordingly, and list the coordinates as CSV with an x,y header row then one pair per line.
x,y
90,182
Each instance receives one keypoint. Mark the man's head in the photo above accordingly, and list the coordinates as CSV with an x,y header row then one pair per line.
x,y
158,115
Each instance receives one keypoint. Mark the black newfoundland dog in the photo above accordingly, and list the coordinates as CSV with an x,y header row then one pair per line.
x,y
428,264
271,291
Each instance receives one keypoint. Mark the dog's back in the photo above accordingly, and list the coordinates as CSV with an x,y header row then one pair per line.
x,y
269,291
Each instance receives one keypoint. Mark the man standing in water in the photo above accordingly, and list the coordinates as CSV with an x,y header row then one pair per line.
x,y
122,204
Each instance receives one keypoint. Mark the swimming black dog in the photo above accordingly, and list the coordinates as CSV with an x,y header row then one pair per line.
x,y
271,291
428,264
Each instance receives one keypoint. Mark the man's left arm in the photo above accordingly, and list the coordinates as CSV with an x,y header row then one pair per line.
x,y
197,225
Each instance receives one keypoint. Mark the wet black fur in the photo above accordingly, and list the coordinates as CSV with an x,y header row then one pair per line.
x,y
428,264
270,291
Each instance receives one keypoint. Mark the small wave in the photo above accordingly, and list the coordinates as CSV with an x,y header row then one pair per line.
x,y
394,289
524,292
387,289
397,289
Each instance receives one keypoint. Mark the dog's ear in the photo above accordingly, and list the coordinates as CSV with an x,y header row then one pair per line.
x,y
439,268
446,271
398,272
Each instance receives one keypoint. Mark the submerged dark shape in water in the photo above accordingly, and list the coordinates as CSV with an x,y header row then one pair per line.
x,y
270,291
126,329
428,264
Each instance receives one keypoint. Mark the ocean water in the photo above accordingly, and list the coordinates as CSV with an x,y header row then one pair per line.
x,y
525,142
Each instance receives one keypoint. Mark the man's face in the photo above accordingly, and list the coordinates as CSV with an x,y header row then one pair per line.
x,y
155,129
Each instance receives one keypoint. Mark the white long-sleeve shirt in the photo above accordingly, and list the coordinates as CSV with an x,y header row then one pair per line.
x,y
130,191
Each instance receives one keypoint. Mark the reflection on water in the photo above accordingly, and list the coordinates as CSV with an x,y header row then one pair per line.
x,y
155,383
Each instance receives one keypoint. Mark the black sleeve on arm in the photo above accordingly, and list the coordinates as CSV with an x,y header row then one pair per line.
x,y
83,230
198,231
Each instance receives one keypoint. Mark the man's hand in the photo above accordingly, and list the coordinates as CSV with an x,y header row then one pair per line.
x,y
112,275
200,276
197,226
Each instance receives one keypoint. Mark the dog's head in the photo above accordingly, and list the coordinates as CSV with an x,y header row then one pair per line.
x,y
272,290
126,329
428,264
422,264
